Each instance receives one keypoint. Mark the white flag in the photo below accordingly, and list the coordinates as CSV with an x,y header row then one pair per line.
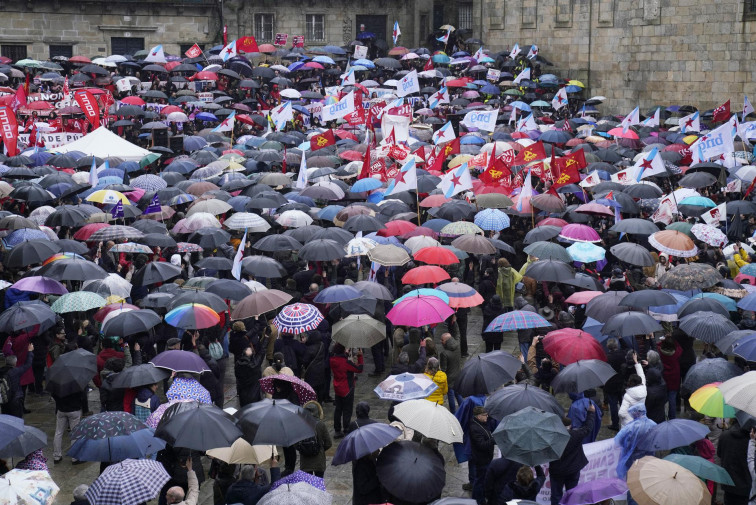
x,y
533,52
444,134
747,107
653,120
439,97
348,78
560,99
227,125
456,181
482,120
527,124
405,180
650,164
690,123
631,119
93,178
515,51
229,51
156,55
717,142
525,74
281,114
408,84
237,267
339,109
302,176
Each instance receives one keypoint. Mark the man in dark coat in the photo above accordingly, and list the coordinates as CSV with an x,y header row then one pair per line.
x,y
481,451
362,410
251,486
248,372
614,387
13,371
366,488
733,452
403,365
314,364
565,472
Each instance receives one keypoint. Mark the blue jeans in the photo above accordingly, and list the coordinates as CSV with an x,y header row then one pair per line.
x,y
524,347
672,409
559,482
614,402
453,399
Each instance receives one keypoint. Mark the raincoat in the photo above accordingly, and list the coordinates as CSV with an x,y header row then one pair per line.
x,y
630,436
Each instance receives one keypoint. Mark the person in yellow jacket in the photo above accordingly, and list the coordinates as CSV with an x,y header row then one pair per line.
x,y
439,377
505,285
738,261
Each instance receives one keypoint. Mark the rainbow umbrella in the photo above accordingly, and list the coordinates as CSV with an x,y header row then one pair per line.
x,y
419,311
298,318
461,295
708,400
63,256
192,316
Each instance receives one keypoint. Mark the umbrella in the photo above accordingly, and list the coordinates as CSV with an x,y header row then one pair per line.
x,y
541,233
180,361
129,482
12,428
140,375
72,270
582,375
711,370
27,487
673,433
739,392
155,272
259,303
531,436
425,274
336,294
512,399
30,252
654,481
228,289
594,491
403,464
211,300
241,453
301,492
550,270
374,290
647,298
436,256
298,318
707,326
406,386
582,297
635,226
388,255
23,315
674,243
702,468
78,301
569,345
304,391
544,250
32,439
430,419
474,244
461,295
130,323
627,324
322,250
197,426
112,436
42,285
517,320
606,305
192,316
275,422
363,441
71,372
485,373
419,311
358,331
579,233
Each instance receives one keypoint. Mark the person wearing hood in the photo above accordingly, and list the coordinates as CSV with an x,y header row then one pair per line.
x,y
656,395
146,401
732,451
578,413
629,439
433,372
662,266
451,363
493,339
505,284
312,450
565,471
247,370
362,411
314,364
635,392
527,487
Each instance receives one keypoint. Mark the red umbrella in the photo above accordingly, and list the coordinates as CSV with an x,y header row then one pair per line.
x,y
267,48
394,228
135,100
436,256
434,201
552,221
426,274
351,156
582,297
107,309
303,390
166,110
595,208
205,76
79,59
569,345
87,230
629,134
420,231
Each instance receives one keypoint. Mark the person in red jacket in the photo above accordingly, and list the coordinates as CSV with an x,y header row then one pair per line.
x,y
110,345
670,352
343,369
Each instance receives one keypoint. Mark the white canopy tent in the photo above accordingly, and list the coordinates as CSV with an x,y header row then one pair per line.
x,y
103,143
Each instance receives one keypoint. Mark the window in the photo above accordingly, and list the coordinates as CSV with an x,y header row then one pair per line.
x,y
14,52
424,28
750,7
314,27
61,50
465,21
126,45
264,27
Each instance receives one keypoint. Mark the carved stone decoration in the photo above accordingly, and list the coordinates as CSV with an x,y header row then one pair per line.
x,y
346,30
605,13
564,13
651,11
529,13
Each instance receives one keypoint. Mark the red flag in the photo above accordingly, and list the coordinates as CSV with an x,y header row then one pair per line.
x,y
225,35
89,106
497,172
428,64
247,44
325,139
568,173
577,158
9,130
194,51
750,188
533,152
722,113
450,148
391,139
19,99
66,89
28,77
367,160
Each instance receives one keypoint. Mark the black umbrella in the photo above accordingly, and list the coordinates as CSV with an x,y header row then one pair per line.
x,y
363,441
735,229
338,235
627,324
707,371
550,270
29,441
697,180
725,343
197,426
582,375
262,266
283,242
605,306
363,223
207,298
66,215
140,375
648,298
404,464
633,254
455,210
699,304
707,326
209,238
71,372
219,263
131,323
502,246
157,300
72,270
229,289
30,253
485,373
322,250
276,422
154,272
516,397
155,239
72,246
585,281
24,315
541,233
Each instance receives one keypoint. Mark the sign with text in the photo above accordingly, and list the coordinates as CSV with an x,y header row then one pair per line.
x,y
297,41
281,39
52,140
360,52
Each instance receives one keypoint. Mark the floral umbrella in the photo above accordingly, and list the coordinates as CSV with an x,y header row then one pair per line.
x,y
709,234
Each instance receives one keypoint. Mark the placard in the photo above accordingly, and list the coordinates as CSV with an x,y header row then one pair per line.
x,y
360,52
281,39
297,41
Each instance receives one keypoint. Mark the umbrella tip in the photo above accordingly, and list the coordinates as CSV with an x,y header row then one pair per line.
x,y
675,475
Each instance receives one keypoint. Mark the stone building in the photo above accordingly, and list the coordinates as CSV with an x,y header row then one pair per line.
x,y
635,53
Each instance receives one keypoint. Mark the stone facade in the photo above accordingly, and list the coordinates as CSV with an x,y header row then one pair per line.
x,y
635,53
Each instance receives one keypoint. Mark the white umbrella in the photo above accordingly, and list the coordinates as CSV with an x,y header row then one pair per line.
x,y
242,453
255,286
201,220
300,493
419,242
247,221
740,392
294,219
430,419
27,487
177,117
359,246
290,93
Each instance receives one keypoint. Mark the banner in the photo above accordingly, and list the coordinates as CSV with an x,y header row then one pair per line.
x,y
339,109
297,41
408,84
51,140
493,75
482,120
281,39
9,129
89,106
360,52
664,212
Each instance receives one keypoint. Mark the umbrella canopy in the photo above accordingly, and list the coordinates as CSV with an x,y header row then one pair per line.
x,y
633,254
531,436
517,320
137,444
71,372
298,318
582,375
550,270
241,453
406,386
702,468
304,391
569,345
259,303
711,370
594,491
180,361
672,434
192,316
12,428
707,326
512,399
461,295
739,392
689,276
363,441
402,464
296,493
627,324
32,439
430,419
544,250
358,331
154,272
654,481
197,426
130,323
129,482
78,301
140,375
23,315
647,298
27,487
485,373
275,422
419,311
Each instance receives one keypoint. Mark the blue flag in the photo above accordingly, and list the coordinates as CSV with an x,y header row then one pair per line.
x,y
117,211
154,205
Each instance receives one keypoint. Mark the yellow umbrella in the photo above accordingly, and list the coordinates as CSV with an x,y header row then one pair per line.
x,y
576,83
242,453
690,139
235,167
114,299
654,481
458,160
108,196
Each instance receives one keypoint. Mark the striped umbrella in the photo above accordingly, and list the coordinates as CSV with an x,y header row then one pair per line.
x,y
673,243
78,301
115,232
247,221
461,295
192,316
517,320
298,318
406,386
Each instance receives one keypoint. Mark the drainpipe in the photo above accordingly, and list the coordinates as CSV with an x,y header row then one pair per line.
x,y
590,37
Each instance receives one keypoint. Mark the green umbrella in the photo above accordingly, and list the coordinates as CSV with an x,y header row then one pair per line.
x,y
540,103
458,228
702,468
682,228
199,282
27,63
78,301
514,92
148,159
544,250
531,436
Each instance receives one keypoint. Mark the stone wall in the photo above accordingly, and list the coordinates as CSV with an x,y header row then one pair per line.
x,y
644,52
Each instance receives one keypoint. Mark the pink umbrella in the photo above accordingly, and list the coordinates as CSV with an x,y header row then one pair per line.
x,y
582,297
470,94
579,233
595,209
303,390
419,311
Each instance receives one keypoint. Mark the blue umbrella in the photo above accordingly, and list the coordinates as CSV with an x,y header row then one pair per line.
x,y
296,65
329,212
436,224
492,220
206,116
334,50
555,136
239,203
129,166
135,445
337,293
59,189
24,235
424,292
363,441
364,63
12,427
490,89
324,59
573,89
294,197
698,201
517,104
472,139
367,184
728,302
194,143
584,252
673,433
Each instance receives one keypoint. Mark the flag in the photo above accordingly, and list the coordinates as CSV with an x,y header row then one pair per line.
x,y
227,125
302,176
156,55
479,54
229,51
390,138
89,106
93,179
281,114
533,52
445,37
325,139
631,119
247,44
690,123
439,97
527,123
533,152
650,165
9,130
568,173
525,74
67,90
193,52
722,113
653,120
663,213
515,51
497,171
348,78
396,32
482,120
154,205
444,134
593,179
337,110
405,180
117,211
428,65
717,142
560,99
456,180
526,192
237,267
367,160
747,107
19,99
408,84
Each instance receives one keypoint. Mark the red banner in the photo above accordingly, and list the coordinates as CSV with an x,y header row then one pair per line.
x,y
89,106
281,39
247,44
533,152
297,41
9,129
325,139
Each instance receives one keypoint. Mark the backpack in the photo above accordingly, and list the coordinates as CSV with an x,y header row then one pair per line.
x,y
309,447
5,389
216,350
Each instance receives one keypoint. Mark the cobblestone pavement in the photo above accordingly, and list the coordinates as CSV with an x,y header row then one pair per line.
x,y
338,479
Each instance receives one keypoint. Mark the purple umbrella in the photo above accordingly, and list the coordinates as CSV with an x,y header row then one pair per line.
x,y
594,492
180,361
39,284
300,476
